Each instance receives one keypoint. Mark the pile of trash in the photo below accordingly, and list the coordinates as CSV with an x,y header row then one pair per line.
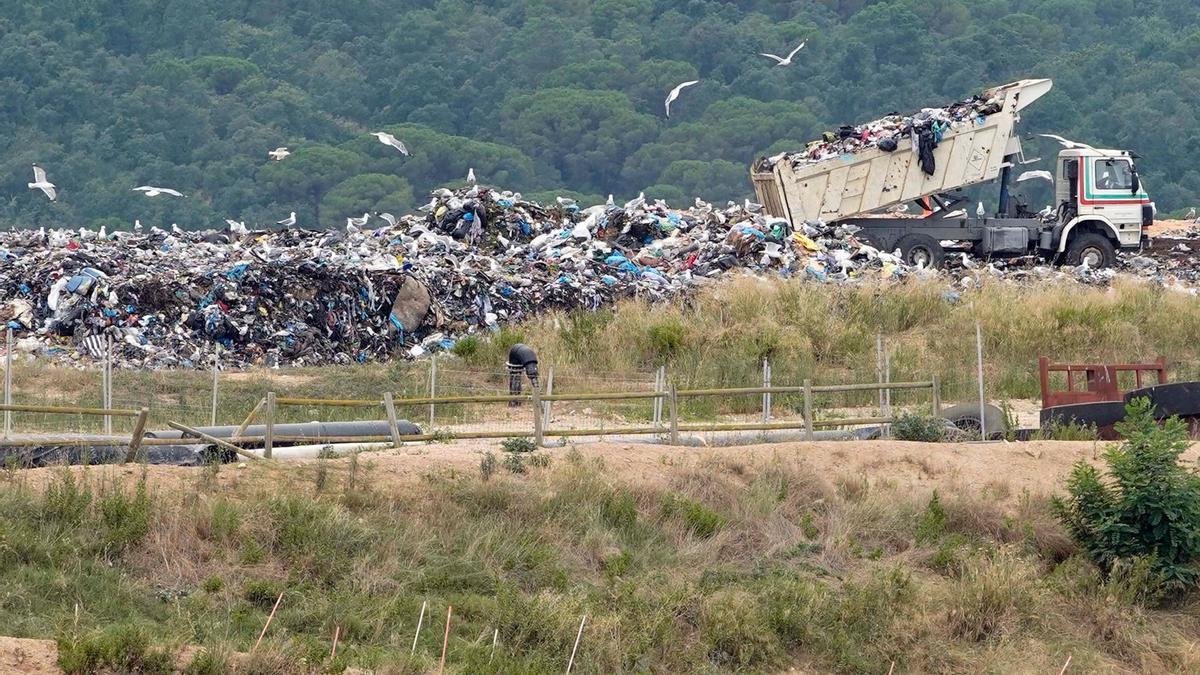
x,y
468,262
919,132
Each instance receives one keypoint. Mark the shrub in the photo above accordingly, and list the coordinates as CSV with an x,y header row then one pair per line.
x,y
122,648
933,521
65,501
1058,430
619,511
466,348
1149,506
514,463
700,520
516,444
487,466
912,427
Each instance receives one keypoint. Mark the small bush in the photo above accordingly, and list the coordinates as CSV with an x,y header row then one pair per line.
x,y
1149,506
65,501
487,466
213,584
517,444
514,463
466,348
920,428
262,593
700,520
1058,430
933,521
125,519
207,662
619,511
122,649
540,460
990,597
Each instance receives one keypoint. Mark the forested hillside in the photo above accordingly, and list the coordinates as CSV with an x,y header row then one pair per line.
x,y
549,96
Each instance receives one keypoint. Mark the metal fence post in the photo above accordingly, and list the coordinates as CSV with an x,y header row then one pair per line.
x,y
979,370
808,419
674,410
766,398
887,399
216,368
660,381
105,390
269,432
135,441
879,368
8,386
432,390
549,390
937,396
537,417
393,426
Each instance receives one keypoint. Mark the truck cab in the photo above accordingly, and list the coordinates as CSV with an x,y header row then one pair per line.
x,y
1098,193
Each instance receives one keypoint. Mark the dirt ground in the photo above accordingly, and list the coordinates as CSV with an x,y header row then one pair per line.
x,y
1038,466
26,657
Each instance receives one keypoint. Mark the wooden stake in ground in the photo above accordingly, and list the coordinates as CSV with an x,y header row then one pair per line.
x,y
1064,668
891,668
578,636
337,631
445,639
268,623
420,620
495,637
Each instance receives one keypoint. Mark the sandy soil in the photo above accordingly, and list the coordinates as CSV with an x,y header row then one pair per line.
x,y
26,657
1039,466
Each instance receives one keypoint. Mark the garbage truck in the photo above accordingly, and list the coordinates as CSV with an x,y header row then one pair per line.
x,y
1101,205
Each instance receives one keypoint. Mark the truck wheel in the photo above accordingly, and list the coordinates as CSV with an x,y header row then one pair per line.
x,y
1096,249
921,250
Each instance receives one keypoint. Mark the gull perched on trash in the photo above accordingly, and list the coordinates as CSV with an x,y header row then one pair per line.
x,y
675,93
352,224
471,175
979,210
388,139
968,263
1191,214
1068,144
388,218
151,191
780,61
40,183
279,153
289,221
1030,175
236,228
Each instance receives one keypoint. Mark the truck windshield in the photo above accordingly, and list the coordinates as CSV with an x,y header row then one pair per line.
x,y
1114,174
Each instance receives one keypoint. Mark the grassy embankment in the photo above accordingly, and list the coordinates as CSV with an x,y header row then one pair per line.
x,y
720,337
728,566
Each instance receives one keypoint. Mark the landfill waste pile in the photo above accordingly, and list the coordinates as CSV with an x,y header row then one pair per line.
x,y
919,132
468,262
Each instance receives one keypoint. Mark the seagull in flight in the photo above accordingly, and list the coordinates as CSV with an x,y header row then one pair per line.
x,y
388,139
40,183
1068,144
279,153
289,221
780,61
675,93
151,191
1030,175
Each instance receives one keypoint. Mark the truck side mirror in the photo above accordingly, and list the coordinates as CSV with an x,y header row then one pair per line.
x,y
1072,170
1137,182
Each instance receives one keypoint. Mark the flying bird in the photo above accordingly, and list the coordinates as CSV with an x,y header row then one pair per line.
x,y
979,210
289,221
151,191
1030,175
40,183
675,94
471,175
780,61
279,153
1068,144
388,139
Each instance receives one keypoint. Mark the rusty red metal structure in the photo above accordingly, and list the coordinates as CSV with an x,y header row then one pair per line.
x,y
1099,381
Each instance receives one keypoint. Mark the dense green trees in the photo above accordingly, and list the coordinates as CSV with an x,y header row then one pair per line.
x,y
538,96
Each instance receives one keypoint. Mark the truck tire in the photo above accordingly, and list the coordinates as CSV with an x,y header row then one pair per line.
x,y
922,250
1097,249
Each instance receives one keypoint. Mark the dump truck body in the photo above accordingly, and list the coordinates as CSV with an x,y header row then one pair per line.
x,y
853,187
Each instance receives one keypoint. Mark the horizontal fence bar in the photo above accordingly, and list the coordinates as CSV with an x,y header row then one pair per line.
x,y
115,412
332,402
872,386
481,398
